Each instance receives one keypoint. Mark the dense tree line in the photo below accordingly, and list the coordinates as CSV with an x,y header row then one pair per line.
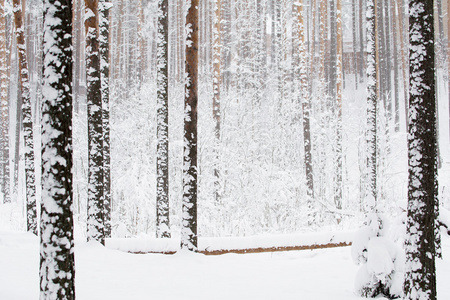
x,y
220,117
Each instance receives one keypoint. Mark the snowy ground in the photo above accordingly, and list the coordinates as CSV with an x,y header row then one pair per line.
x,y
103,273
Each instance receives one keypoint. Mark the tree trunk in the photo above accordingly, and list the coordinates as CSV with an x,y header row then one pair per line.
x,y
355,68
420,273
339,85
104,8
95,225
4,107
162,153
361,40
57,266
27,119
306,104
217,80
372,102
189,207
395,55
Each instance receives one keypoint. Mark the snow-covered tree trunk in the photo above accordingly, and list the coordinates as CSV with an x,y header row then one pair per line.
x,y
27,120
372,101
338,165
361,39
396,75
354,35
420,279
95,225
104,8
306,103
57,268
217,80
189,205
4,107
162,152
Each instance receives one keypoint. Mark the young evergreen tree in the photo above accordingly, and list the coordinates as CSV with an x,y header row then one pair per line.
x,y
162,152
189,205
420,279
57,267
27,118
95,225
104,7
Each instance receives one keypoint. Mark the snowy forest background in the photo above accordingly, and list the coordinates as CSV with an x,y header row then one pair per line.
x,y
263,174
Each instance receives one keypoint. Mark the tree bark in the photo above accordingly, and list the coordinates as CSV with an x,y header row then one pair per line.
x,y
420,273
339,85
27,118
162,152
104,8
57,265
189,207
372,102
4,107
217,80
95,225
306,104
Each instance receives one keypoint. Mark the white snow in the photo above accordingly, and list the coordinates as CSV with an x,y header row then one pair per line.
x,y
103,273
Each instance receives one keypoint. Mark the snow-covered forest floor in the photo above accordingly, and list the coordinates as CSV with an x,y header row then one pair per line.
x,y
104,273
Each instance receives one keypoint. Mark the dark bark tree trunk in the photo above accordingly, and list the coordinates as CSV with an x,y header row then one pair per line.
x,y
104,8
189,207
420,277
57,266
162,153
95,225
27,119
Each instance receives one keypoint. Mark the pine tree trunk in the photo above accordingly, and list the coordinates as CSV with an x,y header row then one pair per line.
x,y
355,68
217,80
420,275
95,225
306,104
361,40
372,102
339,85
403,56
162,153
57,266
104,8
27,119
448,56
395,55
4,107
333,52
189,206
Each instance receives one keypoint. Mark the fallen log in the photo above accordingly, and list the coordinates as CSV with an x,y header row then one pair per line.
x,y
255,250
